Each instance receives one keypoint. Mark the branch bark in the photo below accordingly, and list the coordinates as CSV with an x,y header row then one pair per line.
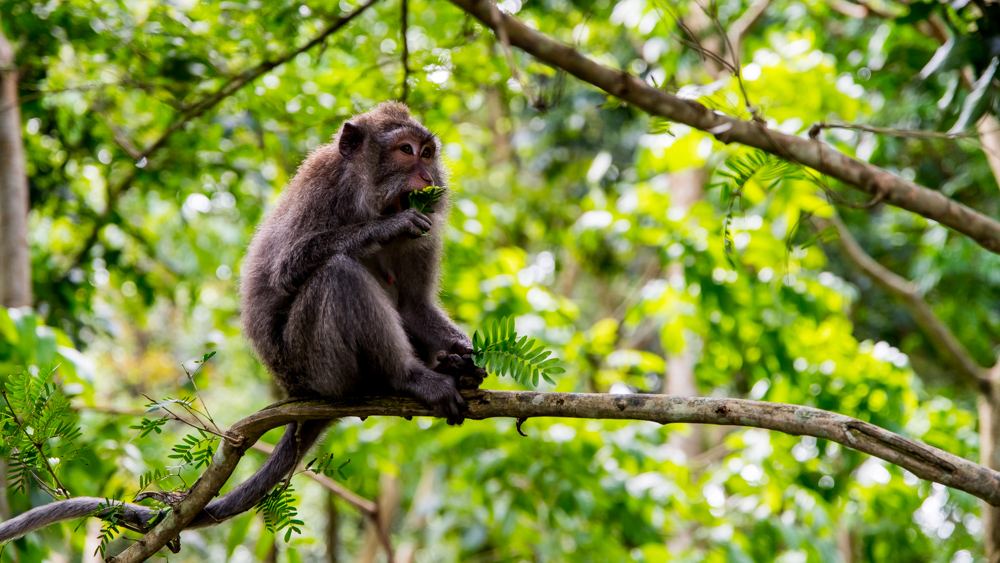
x,y
824,159
920,459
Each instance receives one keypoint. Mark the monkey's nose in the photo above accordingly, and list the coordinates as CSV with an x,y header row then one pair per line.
x,y
427,178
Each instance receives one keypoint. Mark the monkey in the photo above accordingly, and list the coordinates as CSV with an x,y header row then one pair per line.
x,y
339,298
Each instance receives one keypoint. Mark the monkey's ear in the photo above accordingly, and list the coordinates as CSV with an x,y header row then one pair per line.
x,y
351,138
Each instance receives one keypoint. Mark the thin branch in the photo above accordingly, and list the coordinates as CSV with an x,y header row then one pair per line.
x,y
501,33
739,28
920,459
174,416
404,22
815,129
814,154
367,507
940,336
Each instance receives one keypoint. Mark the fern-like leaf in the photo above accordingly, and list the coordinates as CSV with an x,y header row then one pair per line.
x,y
279,511
498,350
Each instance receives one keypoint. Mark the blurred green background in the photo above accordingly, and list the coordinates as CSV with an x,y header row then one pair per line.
x,y
612,238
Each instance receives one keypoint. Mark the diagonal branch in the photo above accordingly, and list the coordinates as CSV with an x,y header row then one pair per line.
x,y
812,153
920,459
941,337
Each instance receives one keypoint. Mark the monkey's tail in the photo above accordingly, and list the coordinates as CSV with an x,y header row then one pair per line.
x,y
295,442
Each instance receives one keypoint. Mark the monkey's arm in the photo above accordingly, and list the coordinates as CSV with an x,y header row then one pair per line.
x,y
431,331
301,258
441,344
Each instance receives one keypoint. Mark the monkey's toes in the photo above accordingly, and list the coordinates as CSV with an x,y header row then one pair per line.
x,y
451,409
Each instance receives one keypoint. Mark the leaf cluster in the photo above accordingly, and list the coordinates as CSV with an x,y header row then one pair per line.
x,y
741,169
499,351
325,465
37,426
279,512
423,200
195,450
110,512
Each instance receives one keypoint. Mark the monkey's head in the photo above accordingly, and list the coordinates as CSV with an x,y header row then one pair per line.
x,y
401,154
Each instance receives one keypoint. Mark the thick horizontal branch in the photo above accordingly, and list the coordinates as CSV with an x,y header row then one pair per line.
x,y
920,459
812,153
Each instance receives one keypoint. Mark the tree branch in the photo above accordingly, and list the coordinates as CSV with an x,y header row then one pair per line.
x,y
812,153
920,459
940,336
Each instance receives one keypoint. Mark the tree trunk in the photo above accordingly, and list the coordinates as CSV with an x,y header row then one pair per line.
x,y
686,188
15,262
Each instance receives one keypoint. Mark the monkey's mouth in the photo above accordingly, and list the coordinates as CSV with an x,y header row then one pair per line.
x,y
398,204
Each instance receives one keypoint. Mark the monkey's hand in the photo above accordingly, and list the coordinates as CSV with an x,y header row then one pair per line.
x,y
408,222
458,363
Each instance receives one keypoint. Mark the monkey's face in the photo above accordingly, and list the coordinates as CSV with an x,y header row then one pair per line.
x,y
409,162
392,151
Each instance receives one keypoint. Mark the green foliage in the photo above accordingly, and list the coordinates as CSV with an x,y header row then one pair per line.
x,y
195,450
423,200
499,351
741,169
660,126
38,429
757,165
111,513
153,476
279,511
325,465
578,219
828,234
147,425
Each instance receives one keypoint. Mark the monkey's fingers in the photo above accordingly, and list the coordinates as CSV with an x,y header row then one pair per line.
x,y
461,348
449,364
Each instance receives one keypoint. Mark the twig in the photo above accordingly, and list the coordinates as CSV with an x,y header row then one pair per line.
x,y
817,127
197,391
501,33
404,9
200,426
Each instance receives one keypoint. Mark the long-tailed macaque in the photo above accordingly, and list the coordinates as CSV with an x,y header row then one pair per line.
x,y
339,293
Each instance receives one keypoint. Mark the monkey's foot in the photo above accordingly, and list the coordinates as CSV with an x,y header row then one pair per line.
x,y
461,368
438,391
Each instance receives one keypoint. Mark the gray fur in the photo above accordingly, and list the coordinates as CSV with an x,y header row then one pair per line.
x,y
339,292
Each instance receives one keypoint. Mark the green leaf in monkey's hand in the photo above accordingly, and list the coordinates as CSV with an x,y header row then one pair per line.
x,y
423,200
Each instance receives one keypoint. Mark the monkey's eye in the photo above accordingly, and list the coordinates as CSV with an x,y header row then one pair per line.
x,y
426,153
407,149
